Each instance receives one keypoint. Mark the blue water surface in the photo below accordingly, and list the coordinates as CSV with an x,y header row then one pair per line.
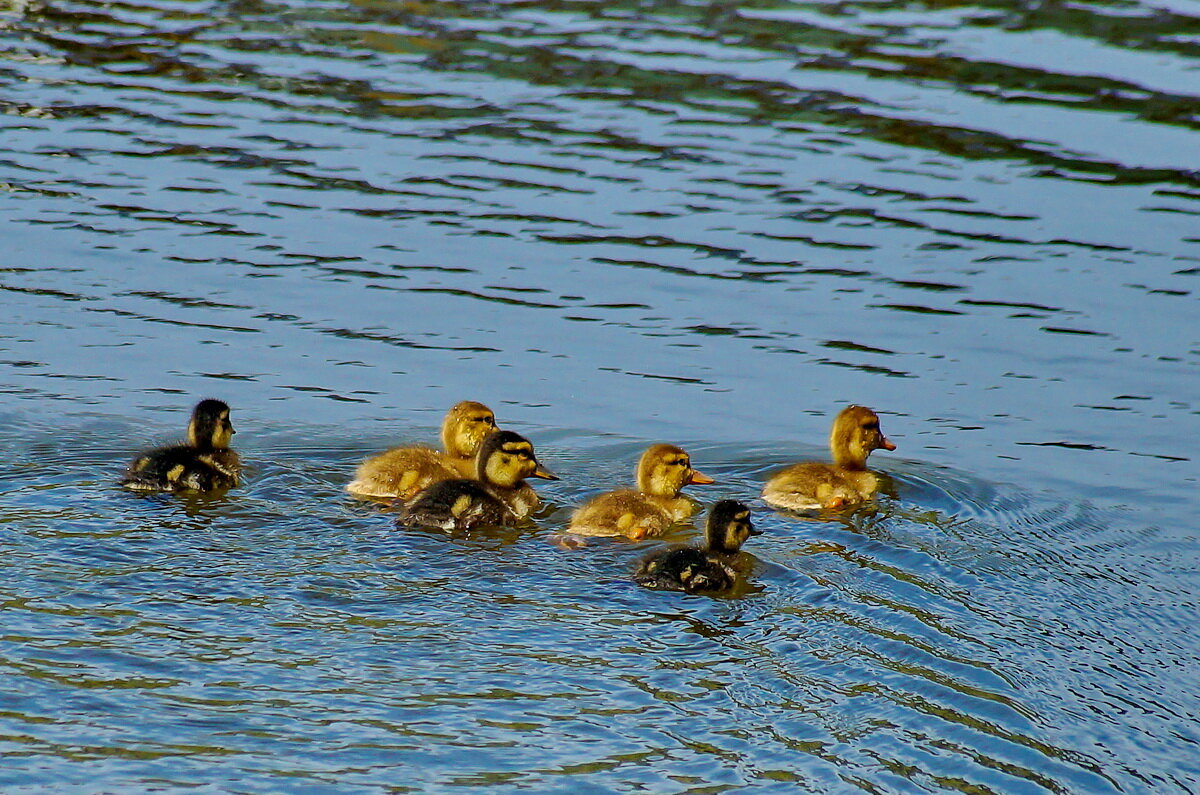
x,y
615,224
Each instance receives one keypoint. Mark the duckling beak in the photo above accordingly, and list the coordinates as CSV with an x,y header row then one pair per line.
x,y
886,444
542,472
754,531
699,478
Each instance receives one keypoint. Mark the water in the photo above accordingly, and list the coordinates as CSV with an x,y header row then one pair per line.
x,y
711,225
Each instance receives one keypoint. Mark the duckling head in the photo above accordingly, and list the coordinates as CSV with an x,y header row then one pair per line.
x,y
506,458
664,469
855,435
465,427
729,526
210,428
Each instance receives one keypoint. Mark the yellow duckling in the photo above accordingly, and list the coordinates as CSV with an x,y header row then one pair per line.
x,y
203,463
499,496
662,472
401,472
712,567
813,485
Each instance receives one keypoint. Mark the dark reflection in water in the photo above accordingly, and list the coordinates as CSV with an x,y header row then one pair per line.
x,y
711,224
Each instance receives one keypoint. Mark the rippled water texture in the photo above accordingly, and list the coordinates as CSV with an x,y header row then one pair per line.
x,y
711,224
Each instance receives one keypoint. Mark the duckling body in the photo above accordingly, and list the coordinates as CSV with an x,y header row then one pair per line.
x,y
716,566
652,508
400,473
203,463
498,496
813,485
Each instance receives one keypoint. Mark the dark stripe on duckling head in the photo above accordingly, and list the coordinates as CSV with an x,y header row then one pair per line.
x,y
525,449
496,443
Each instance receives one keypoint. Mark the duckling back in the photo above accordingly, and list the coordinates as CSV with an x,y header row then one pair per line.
x,y
454,505
811,485
182,468
685,569
623,513
401,472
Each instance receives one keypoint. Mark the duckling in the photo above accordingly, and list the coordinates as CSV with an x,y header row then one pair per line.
x,y
401,472
662,472
203,463
711,567
499,496
813,485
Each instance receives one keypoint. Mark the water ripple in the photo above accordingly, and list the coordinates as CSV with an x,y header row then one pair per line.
x,y
706,224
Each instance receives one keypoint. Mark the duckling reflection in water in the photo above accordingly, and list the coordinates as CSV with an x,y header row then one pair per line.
x,y
715,566
811,485
652,508
499,496
401,472
203,463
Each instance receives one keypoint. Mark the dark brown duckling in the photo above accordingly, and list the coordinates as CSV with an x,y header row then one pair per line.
x,y
203,463
812,485
499,496
709,568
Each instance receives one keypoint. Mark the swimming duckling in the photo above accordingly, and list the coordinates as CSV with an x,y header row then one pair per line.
x,y
813,485
662,472
401,472
712,567
203,463
499,496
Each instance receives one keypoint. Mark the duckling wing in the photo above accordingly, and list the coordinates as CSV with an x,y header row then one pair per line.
x,y
454,505
621,513
683,569
401,473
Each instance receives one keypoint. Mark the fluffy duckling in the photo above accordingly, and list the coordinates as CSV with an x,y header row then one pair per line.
x,y
654,506
499,496
203,463
813,485
712,567
401,472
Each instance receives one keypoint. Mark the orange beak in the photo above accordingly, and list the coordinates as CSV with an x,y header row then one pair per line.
x,y
886,444
699,478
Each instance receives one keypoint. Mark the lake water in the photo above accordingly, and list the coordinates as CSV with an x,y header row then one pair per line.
x,y
703,223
